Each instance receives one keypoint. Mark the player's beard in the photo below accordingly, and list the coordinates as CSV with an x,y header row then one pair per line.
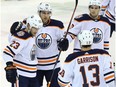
x,y
46,21
94,16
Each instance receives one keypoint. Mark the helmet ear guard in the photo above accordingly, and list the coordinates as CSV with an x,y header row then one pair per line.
x,y
85,37
44,7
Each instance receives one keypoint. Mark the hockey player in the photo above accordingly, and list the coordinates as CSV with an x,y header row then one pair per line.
x,y
108,9
89,67
20,55
48,40
98,25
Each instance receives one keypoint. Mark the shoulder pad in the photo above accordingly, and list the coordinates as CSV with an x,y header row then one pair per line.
x,y
82,17
77,54
73,56
56,23
99,51
22,35
102,18
79,16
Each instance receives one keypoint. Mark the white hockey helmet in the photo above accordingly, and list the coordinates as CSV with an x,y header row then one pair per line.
x,y
95,2
34,21
44,7
85,37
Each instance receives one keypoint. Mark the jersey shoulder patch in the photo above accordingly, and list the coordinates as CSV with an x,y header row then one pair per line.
x,y
22,35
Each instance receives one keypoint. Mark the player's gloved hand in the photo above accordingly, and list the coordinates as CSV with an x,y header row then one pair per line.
x,y
63,44
10,72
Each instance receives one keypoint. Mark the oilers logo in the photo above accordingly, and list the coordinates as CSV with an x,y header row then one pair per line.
x,y
97,35
43,40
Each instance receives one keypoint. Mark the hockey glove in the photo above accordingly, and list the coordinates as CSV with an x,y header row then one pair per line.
x,y
63,44
10,72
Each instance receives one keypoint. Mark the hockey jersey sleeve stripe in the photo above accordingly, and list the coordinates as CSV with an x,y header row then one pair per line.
x,y
7,54
26,70
25,67
106,48
110,15
72,35
106,42
10,50
47,64
108,73
110,81
106,45
61,83
104,7
47,61
109,76
24,63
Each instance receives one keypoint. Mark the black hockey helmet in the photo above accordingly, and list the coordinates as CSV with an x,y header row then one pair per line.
x,y
16,27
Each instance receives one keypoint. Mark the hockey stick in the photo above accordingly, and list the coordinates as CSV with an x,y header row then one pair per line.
x,y
76,3
12,84
71,18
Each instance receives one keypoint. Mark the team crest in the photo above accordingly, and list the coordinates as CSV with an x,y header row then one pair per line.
x,y
97,35
43,40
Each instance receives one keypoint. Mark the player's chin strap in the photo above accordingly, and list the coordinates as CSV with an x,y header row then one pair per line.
x,y
76,3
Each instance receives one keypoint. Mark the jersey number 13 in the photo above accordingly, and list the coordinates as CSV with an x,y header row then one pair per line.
x,y
95,75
